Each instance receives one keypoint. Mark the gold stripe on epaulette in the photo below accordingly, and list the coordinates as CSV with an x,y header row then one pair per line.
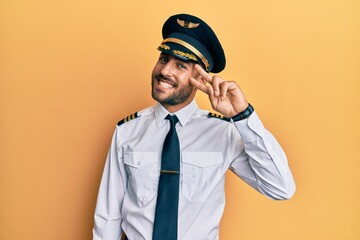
x,y
216,115
128,118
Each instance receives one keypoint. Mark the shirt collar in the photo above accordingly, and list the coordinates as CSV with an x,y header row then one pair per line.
x,y
183,114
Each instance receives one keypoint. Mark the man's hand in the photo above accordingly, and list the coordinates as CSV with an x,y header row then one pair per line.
x,y
225,96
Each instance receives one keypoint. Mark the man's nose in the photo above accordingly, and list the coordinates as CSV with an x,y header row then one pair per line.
x,y
167,69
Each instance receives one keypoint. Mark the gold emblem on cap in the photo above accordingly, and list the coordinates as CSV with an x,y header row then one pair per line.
x,y
187,55
191,48
164,46
187,24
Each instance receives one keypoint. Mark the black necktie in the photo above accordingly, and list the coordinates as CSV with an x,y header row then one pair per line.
x,y
166,213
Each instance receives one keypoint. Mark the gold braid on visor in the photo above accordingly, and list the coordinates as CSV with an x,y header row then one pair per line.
x,y
191,48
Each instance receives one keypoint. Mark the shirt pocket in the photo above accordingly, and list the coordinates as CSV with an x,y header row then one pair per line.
x,y
143,175
201,172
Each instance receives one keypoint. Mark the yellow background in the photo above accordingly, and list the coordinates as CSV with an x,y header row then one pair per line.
x,y
69,70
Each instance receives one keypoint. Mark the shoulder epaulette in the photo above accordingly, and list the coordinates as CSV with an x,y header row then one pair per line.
x,y
128,118
215,115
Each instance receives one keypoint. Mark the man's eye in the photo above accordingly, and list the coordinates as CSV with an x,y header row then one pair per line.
x,y
180,65
163,59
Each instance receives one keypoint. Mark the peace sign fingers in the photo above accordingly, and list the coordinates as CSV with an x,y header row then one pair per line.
x,y
215,81
206,76
225,96
201,86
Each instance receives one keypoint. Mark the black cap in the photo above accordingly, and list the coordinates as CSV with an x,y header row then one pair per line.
x,y
189,38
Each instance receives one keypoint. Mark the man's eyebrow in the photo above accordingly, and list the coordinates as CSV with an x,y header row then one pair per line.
x,y
188,63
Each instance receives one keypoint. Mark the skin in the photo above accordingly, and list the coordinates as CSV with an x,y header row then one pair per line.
x,y
175,82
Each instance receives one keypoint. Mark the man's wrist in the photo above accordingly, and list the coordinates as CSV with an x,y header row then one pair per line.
x,y
244,114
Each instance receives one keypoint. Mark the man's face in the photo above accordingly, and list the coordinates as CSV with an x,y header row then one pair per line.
x,y
170,82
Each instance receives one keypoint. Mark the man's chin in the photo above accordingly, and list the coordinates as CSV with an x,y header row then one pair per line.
x,y
163,99
159,97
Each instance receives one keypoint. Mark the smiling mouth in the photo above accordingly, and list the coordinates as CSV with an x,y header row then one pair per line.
x,y
165,84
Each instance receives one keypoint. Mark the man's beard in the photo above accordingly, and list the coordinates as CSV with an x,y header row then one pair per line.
x,y
176,98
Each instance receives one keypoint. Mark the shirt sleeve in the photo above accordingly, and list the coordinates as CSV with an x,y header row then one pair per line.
x,y
112,188
262,162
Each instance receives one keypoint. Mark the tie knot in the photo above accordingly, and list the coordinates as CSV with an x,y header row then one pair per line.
x,y
173,120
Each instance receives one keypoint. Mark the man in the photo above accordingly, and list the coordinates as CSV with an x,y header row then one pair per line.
x,y
165,170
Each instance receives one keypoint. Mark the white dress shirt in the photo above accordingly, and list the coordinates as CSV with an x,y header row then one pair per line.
x,y
209,147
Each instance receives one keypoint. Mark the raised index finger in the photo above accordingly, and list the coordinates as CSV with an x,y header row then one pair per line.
x,y
203,73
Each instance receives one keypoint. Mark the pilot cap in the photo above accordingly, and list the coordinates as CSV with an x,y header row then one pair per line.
x,y
190,39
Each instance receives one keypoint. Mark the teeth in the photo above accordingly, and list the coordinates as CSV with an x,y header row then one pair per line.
x,y
165,84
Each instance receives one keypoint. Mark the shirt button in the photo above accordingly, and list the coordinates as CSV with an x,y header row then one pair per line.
x,y
138,163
